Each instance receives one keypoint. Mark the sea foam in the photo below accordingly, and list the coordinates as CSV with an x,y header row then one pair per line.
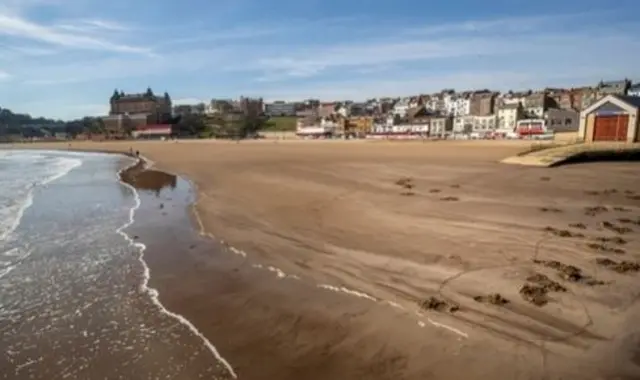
x,y
23,172
153,293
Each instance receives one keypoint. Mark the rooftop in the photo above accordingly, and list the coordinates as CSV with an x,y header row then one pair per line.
x,y
631,100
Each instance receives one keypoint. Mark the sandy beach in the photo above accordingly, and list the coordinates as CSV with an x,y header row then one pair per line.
x,y
336,245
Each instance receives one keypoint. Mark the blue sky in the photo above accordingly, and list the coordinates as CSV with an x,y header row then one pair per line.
x,y
63,58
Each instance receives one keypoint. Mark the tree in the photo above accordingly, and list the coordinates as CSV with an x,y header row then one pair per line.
x,y
190,125
252,124
10,119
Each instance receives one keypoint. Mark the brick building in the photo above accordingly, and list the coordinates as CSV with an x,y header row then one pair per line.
x,y
130,111
482,103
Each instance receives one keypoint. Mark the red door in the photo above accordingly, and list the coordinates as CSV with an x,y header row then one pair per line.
x,y
610,128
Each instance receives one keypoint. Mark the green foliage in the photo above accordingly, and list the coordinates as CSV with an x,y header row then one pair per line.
x,y
27,126
219,126
207,132
190,125
10,119
281,123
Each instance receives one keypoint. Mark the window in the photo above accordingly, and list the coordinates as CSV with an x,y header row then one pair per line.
x,y
567,121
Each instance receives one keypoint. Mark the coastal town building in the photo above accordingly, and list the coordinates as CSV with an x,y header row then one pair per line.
x,y
419,115
401,107
306,113
342,111
189,109
129,111
561,120
437,102
589,96
250,106
360,125
512,98
634,90
280,108
463,124
439,125
359,109
218,106
472,113
141,103
156,131
615,87
577,97
536,104
483,124
457,104
326,109
482,103
561,98
319,128
508,115
612,118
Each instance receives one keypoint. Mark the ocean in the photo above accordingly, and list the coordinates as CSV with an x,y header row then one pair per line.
x,y
74,300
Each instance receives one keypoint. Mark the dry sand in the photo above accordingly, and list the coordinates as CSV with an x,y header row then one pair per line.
x,y
465,226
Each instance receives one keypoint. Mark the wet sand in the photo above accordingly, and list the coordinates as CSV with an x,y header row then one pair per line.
x,y
457,226
74,304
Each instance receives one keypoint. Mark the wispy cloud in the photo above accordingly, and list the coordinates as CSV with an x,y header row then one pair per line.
x,y
505,24
16,52
89,50
503,80
16,26
270,65
255,32
4,75
312,62
107,25
92,26
119,67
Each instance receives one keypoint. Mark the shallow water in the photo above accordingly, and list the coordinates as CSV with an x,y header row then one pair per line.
x,y
73,300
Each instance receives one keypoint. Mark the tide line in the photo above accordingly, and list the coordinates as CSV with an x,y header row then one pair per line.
x,y
153,293
281,275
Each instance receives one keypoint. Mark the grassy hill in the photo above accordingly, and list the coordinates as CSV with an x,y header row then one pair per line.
x,y
281,124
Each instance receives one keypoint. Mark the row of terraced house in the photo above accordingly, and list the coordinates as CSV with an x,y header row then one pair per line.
x,y
481,113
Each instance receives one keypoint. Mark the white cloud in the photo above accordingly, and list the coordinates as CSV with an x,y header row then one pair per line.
x,y
252,32
269,64
330,59
429,83
92,26
32,51
503,25
12,25
562,50
107,25
4,75
120,67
